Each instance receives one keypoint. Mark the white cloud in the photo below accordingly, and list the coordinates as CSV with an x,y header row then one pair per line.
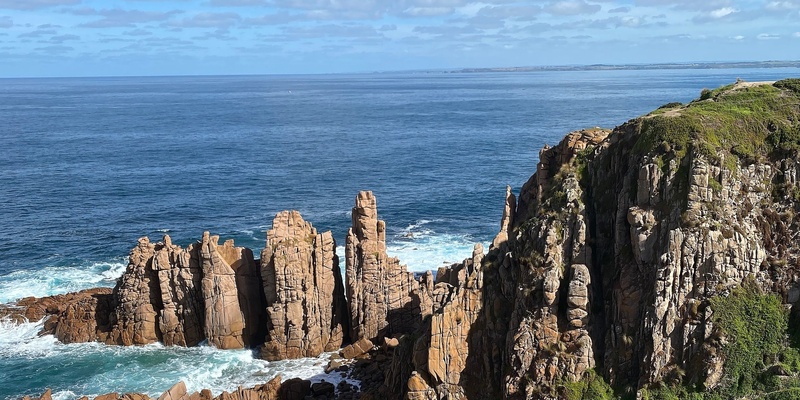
x,y
721,12
738,37
768,36
427,11
782,5
796,34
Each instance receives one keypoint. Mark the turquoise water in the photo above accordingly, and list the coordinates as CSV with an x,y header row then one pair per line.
x,y
89,165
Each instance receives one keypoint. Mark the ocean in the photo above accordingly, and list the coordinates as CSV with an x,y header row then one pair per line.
x,y
89,165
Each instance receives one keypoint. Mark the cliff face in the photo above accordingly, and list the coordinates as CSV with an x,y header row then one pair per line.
x,y
621,242
304,290
620,247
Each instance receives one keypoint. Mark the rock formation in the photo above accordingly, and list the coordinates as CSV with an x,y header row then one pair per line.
x,y
72,318
184,296
442,352
304,291
607,267
274,389
384,298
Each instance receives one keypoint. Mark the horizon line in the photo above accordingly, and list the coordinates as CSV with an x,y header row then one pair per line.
x,y
678,65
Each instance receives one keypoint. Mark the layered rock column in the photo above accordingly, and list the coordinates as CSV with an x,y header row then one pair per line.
x,y
384,297
304,292
441,355
225,317
137,295
184,296
179,275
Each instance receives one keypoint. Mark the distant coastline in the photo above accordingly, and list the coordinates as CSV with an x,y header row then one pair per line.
x,y
629,67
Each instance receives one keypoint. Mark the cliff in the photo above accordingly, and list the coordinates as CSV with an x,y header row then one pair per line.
x,y
654,260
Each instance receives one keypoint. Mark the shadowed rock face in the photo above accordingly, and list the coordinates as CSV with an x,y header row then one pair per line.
x,y
304,292
385,299
441,355
138,299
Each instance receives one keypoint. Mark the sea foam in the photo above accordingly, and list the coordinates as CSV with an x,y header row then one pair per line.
x,y
49,281
91,369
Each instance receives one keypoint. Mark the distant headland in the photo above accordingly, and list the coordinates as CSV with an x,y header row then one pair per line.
x,y
632,67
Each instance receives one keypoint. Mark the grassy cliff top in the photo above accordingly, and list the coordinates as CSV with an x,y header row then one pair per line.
x,y
746,119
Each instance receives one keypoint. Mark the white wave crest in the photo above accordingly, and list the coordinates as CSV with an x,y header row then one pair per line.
x,y
51,280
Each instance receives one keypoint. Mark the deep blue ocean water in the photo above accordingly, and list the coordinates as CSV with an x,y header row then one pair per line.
x,y
89,165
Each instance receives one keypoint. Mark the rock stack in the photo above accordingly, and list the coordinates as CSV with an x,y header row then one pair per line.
x,y
304,291
385,299
184,296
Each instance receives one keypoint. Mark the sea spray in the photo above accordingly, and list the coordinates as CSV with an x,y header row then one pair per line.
x,y
52,280
91,369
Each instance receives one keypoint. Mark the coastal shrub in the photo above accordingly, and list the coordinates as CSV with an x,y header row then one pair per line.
x,y
786,394
677,393
755,325
674,104
792,84
744,121
591,387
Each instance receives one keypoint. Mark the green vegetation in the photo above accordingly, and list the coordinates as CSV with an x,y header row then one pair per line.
x,y
789,84
738,119
786,394
677,393
755,325
591,387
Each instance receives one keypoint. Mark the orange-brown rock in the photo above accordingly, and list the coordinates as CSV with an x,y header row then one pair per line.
x,y
179,277
359,348
224,319
73,318
384,297
178,296
440,355
176,392
304,291
137,294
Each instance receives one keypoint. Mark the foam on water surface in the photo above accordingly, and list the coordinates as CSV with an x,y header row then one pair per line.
x,y
54,280
421,248
90,369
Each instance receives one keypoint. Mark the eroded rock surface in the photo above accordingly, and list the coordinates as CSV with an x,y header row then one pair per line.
x,y
384,298
181,297
72,318
304,291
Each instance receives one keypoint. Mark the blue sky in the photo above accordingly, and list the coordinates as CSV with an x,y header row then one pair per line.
x,y
165,37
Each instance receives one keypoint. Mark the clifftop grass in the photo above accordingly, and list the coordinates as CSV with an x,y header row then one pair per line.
x,y
742,119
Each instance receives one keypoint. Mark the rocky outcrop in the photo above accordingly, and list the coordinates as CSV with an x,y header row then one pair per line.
x,y
138,299
181,296
441,354
384,298
274,389
304,292
181,316
72,318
